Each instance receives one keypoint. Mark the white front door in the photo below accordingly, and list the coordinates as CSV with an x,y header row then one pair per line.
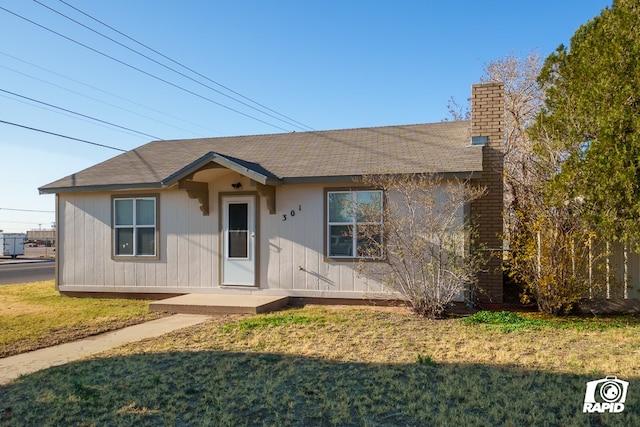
x,y
238,240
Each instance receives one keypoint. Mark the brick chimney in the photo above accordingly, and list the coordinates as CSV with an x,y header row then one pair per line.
x,y
487,129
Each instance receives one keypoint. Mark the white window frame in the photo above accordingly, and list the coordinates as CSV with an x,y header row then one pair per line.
x,y
354,223
135,227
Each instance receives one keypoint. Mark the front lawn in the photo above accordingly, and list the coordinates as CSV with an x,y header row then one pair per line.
x,y
318,366
34,315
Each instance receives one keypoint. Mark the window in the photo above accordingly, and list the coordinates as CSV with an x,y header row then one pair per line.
x,y
238,233
354,226
134,226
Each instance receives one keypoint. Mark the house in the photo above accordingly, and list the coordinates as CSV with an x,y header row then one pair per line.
x,y
249,214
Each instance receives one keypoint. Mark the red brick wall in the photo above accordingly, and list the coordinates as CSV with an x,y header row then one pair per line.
x,y
487,119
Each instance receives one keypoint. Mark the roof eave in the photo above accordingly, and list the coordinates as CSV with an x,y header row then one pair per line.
x,y
256,177
99,188
347,178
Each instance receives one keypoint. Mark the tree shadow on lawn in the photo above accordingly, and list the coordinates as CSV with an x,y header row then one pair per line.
x,y
224,388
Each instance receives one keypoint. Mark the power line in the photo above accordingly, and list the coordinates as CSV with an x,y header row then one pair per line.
x,y
108,93
62,136
142,71
25,210
31,104
166,66
96,99
184,66
78,114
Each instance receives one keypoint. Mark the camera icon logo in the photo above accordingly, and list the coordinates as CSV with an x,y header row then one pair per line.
x,y
605,395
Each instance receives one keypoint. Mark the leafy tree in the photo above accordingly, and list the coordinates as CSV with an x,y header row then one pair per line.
x,y
592,115
585,160
552,255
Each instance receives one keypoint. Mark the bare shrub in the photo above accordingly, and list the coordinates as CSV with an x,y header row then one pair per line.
x,y
424,250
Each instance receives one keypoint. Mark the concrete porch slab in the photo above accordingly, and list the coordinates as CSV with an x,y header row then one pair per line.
x,y
220,304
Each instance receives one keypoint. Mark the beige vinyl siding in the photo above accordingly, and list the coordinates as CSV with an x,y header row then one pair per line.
x,y
291,253
83,230
293,250
187,246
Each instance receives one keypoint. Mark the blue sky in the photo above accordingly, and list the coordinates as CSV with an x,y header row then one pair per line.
x,y
324,65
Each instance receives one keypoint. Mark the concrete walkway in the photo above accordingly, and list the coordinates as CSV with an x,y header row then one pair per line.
x,y
26,363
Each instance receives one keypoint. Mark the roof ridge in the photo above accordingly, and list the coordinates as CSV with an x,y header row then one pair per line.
x,y
257,135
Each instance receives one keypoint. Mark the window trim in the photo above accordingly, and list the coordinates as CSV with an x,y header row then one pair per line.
x,y
134,257
327,224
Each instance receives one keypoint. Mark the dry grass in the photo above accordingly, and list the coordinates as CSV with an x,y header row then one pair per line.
x,y
392,336
34,315
323,366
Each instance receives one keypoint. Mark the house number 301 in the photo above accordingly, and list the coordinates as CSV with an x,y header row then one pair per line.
x,y
292,213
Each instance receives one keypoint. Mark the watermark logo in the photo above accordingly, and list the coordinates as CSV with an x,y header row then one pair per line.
x,y
605,395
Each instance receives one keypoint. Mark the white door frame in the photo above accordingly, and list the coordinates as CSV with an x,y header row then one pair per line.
x,y
238,252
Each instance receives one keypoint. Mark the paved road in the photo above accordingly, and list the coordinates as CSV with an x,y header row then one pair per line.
x,y
26,272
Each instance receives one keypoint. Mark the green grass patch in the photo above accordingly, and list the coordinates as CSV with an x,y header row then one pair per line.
x,y
34,315
508,321
505,320
274,320
426,360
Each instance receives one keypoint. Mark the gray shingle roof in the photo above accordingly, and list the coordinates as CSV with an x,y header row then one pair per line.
x,y
436,147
